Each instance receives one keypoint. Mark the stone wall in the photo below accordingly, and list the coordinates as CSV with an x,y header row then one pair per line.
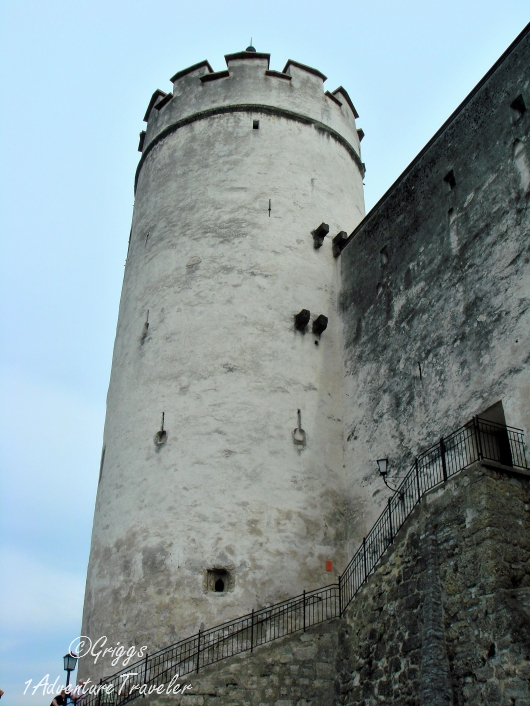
x,y
445,619
436,288
298,670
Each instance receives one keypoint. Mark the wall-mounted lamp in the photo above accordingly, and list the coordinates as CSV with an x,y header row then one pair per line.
x,y
382,464
383,467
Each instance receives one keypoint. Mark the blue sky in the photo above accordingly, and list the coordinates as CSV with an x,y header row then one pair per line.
x,y
77,78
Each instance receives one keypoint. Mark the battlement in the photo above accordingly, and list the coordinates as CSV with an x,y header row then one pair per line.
x,y
248,84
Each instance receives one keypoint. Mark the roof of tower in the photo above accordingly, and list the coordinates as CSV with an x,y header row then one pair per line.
x,y
250,48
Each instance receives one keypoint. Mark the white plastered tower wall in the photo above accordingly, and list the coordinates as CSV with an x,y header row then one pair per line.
x,y
222,257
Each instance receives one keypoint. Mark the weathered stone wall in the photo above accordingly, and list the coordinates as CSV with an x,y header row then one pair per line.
x,y
438,279
445,619
298,670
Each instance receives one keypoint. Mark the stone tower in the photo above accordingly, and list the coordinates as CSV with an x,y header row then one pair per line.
x,y
222,482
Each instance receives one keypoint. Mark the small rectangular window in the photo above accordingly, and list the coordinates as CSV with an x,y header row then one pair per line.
x,y
219,580
255,124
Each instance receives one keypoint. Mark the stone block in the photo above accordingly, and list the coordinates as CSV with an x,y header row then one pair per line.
x,y
304,652
324,670
286,656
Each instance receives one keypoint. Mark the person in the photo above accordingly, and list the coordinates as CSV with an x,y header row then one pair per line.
x,y
78,694
59,699
1,693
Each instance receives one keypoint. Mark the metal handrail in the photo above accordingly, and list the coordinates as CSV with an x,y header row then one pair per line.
x,y
479,439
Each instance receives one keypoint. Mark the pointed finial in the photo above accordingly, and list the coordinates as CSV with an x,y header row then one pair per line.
x,y
250,48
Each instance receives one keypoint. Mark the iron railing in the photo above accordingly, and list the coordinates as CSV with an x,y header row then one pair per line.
x,y
477,440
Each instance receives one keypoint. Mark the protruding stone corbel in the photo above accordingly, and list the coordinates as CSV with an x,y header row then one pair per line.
x,y
319,234
320,324
338,242
302,319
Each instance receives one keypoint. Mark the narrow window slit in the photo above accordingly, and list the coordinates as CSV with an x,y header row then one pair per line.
x,y
518,107
450,180
145,329
102,463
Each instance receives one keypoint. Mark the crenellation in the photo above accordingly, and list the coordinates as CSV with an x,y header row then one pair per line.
x,y
214,76
334,98
298,70
198,69
246,85
343,93
157,96
258,59
161,103
278,74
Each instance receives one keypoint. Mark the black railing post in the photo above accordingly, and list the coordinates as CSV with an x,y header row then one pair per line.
x,y
304,611
417,478
442,453
390,519
340,596
145,669
252,631
364,559
198,651
477,437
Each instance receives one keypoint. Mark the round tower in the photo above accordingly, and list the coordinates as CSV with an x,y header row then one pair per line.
x,y
221,486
